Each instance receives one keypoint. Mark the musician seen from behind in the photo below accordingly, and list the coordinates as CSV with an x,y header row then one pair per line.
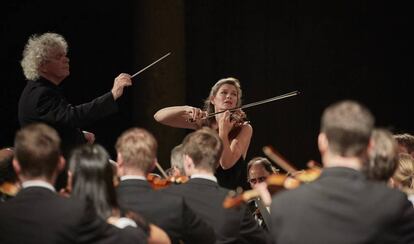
x,y
136,156
342,206
202,150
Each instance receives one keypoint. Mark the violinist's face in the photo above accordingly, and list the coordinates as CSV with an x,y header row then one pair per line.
x,y
257,174
225,98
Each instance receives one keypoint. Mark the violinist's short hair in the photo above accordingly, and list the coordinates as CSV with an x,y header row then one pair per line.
x,y
405,173
7,173
37,149
348,126
138,148
267,165
383,158
406,141
204,147
177,158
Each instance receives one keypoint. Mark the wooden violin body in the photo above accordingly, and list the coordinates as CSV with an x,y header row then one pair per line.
x,y
157,182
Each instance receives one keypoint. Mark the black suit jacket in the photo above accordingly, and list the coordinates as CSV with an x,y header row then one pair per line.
x,y
206,198
38,215
169,212
341,207
42,101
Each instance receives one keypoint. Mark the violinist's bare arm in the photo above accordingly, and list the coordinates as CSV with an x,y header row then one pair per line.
x,y
235,148
186,117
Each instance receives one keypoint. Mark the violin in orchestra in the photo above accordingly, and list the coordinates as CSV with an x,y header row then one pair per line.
x,y
274,184
157,182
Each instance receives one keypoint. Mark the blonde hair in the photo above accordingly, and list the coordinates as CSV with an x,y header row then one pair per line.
x,y
405,173
37,51
204,147
37,148
138,148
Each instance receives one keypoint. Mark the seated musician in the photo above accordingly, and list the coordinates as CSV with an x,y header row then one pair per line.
x,y
9,183
136,156
176,162
202,150
258,169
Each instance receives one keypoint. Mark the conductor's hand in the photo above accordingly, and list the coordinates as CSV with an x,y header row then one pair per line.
x,y
121,81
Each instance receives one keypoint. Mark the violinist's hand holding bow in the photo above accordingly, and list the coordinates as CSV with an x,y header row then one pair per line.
x,y
195,115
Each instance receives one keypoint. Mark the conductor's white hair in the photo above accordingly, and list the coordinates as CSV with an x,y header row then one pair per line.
x,y
37,51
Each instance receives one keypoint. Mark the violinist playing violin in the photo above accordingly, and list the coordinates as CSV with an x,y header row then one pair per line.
x,y
342,206
258,169
231,127
176,160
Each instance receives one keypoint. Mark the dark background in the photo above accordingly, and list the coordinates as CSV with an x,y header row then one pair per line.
x,y
328,50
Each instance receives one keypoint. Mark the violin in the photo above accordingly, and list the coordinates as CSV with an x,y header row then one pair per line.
x,y
157,182
237,116
275,183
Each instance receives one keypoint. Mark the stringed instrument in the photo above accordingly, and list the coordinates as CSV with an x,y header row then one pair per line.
x,y
275,182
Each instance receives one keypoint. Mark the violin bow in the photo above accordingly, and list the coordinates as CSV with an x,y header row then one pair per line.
x,y
148,66
279,159
161,169
249,105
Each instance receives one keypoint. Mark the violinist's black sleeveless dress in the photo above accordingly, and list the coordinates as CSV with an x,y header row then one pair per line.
x,y
233,177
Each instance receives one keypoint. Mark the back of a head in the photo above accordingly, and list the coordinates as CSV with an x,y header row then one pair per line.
x,y
7,173
348,126
177,158
93,178
37,149
138,148
383,158
404,174
204,147
405,142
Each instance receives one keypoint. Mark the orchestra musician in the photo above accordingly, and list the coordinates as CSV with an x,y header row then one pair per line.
x,y
259,168
233,130
202,150
342,206
136,156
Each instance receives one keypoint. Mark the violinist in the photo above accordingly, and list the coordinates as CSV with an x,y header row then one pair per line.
x,y
9,183
202,150
259,168
176,160
233,130
136,155
342,206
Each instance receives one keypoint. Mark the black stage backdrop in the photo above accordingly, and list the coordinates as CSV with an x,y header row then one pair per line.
x,y
328,50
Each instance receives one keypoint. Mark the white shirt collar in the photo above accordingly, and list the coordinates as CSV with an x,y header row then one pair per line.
x,y
38,183
132,177
204,176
